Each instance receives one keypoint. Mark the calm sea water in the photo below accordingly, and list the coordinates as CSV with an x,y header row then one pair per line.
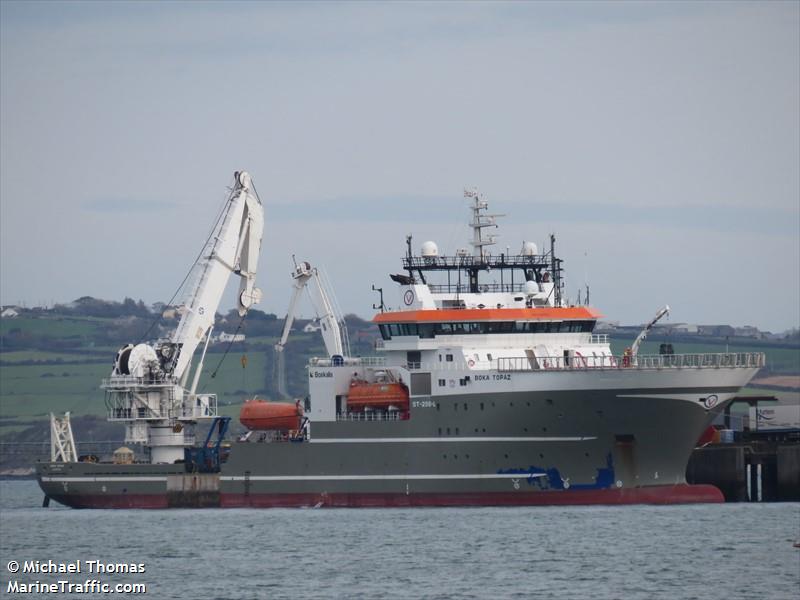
x,y
724,551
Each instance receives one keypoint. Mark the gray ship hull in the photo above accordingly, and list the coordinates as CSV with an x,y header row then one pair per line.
x,y
573,446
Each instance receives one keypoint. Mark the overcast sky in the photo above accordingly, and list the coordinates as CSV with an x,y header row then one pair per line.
x,y
659,142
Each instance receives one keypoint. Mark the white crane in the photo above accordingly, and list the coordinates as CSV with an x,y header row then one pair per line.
x,y
146,389
331,322
233,248
640,338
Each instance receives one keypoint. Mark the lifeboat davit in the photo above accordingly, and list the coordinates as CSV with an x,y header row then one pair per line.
x,y
261,415
377,396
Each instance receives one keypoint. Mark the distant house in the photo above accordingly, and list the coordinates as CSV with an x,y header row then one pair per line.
x,y
716,330
685,328
748,331
9,312
311,327
228,337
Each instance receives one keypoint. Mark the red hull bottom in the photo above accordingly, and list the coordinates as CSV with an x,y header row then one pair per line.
x,y
662,494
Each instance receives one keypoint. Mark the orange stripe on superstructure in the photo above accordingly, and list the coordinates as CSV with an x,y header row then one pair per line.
x,y
571,313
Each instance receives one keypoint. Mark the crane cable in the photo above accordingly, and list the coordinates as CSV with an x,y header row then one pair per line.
x,y
225,354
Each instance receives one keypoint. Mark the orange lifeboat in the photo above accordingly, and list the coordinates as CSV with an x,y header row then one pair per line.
x,y
381,396
261,415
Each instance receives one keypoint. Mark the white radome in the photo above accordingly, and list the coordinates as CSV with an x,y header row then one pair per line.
x,y
429,249
529,249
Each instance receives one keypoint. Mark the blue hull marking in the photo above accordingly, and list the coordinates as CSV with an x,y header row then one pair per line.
x,y
550,479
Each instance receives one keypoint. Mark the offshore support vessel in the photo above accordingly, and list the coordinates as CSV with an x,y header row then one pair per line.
x,y
490,389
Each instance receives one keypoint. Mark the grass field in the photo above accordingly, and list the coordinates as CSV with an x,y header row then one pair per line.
x,y
20,356
61,327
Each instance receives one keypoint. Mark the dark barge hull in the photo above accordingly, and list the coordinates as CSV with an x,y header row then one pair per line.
x,y
665,494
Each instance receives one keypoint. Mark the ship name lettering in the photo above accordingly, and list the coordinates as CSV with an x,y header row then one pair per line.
x,y
502,377
482,378
322,374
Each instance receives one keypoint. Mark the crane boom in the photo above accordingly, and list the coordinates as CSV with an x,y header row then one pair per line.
x,y
233,248
640,338
334,333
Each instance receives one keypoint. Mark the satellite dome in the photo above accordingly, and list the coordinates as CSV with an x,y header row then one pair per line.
x,y
529,249
531,288
430,249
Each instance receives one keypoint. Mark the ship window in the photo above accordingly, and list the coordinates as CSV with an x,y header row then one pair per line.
x,y
431,330
448,431
578,326
442,383
489,357
481,405
449,357
457,432
384,332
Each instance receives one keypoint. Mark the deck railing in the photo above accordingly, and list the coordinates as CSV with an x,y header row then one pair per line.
x,y
648,361
365,361
373,415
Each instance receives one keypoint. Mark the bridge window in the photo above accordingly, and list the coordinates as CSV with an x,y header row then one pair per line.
x,y
431,330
